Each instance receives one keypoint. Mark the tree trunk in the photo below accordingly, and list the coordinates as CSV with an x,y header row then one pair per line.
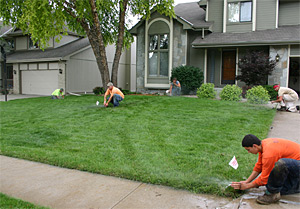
x,y
96,40
119,45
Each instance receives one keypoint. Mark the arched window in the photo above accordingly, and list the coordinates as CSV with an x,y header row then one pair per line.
x,y
158,49
158,53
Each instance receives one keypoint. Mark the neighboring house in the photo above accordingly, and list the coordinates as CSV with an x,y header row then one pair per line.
x,y
69,64
213,35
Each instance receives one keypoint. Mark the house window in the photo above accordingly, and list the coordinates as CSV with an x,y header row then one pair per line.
x,y
33,46
158,55
11,43
240,12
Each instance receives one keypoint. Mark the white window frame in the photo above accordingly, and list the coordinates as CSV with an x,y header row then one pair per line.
x,y
147,26
239,4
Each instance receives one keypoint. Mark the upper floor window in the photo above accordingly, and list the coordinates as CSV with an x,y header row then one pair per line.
x,y
158,55
11,43
33,46
240,12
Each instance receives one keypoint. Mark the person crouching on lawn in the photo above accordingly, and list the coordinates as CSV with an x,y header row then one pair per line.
x,y
286,97
175,88
58,94
279,165
115,95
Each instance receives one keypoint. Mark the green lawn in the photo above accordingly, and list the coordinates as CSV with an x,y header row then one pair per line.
x,y
181,142
7,202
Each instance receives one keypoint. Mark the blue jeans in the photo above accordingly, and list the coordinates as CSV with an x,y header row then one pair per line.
x,y
115,100
285,177
176,91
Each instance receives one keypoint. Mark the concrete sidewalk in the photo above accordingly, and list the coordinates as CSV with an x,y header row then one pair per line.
x,y
65,188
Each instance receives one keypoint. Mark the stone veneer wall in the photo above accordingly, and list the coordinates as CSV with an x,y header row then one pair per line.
x,y
178,57
179,45
140,60
280,73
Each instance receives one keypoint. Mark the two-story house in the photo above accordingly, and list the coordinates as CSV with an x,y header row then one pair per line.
x,y
213,35
68,64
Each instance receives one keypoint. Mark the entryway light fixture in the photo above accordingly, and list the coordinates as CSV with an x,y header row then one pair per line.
x,y
60,71
277,58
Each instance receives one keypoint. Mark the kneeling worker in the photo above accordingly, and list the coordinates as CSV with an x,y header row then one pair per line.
x,y
115,95
286,97
58,94
279,165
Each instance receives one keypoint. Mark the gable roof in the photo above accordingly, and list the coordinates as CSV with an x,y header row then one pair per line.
x,y
281,35
189,14
53,54
4,29
192,14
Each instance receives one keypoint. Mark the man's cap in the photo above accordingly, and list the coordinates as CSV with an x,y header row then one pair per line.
x,y
61,89
110,84
275,86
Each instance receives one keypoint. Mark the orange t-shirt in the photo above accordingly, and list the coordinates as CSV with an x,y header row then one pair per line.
x,y
113,91
274,149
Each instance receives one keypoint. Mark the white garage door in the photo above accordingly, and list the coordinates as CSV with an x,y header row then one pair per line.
x,y
39,82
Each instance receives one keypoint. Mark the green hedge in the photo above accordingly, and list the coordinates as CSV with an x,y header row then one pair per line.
x,y
207,91
190,78
258,95
231,93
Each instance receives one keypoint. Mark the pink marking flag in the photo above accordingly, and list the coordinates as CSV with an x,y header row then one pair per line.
x,y
233,163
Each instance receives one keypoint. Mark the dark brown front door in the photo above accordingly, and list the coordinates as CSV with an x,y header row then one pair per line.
x,y
229,65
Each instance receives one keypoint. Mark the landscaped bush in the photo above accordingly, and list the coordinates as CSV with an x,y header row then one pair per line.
x,y
231,93
189,77
255,67
273,94
258,95
98,90
126,92
206,90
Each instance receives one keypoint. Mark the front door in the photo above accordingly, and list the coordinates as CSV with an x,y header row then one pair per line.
x,y
229,65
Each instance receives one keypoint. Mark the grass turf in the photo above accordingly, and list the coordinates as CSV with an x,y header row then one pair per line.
x,y
7,202
181,142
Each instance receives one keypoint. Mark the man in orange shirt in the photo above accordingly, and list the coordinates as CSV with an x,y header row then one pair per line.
x,y
115,95
278,165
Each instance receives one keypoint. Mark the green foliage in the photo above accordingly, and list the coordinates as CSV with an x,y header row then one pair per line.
x,y
231,93
258,95
273,94
255,67
98,90
103,22
190,78
126,92
7,202
207,91
44,19
159,140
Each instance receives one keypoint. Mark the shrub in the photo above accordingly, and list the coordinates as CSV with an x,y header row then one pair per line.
x,y
126,92
189,77
206,90
98,90
231,93
245,89
255,67
272,93
258,95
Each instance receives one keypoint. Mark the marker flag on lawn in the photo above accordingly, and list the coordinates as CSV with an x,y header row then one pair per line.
x,y
233,163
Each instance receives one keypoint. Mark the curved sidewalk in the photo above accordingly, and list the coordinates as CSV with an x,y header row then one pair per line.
x,y
66,188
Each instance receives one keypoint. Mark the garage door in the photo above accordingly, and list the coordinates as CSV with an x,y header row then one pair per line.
x,y
39,82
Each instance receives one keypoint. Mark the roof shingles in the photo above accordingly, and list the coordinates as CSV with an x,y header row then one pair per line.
x,y
281,35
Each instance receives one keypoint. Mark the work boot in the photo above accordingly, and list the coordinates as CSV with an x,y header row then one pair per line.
x,y
268,198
